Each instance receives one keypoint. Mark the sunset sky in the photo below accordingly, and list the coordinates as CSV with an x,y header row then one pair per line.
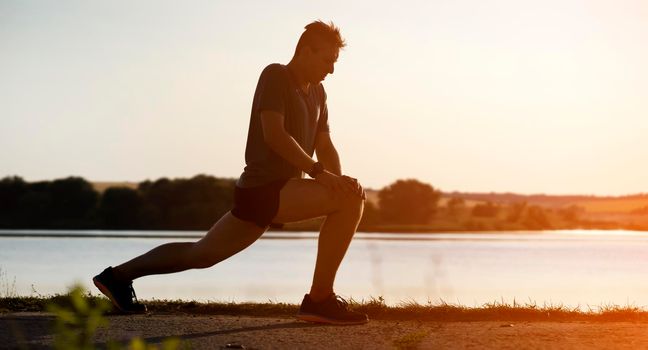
x,y
467,95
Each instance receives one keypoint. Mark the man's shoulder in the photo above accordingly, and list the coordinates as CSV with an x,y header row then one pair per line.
x,y
273,75
274,69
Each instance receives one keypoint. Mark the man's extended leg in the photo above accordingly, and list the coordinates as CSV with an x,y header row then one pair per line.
x,y
302,199
228,236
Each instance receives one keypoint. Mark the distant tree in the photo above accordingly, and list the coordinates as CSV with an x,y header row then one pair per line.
x,y
408,202
572,213
157,198
515,211
185,204
64,203
120,208
455,205
536,218
34,207
74,203
11,190
487,210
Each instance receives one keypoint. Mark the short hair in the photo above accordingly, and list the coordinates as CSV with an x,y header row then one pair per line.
x,y
318,32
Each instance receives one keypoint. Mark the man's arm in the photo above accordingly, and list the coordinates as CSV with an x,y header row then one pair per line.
x,y
278,139
327,154
276,136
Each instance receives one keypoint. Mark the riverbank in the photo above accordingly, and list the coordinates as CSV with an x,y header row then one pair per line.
x,y
24,323
375,308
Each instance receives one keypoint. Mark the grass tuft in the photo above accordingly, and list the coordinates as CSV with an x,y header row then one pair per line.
x,y
7,287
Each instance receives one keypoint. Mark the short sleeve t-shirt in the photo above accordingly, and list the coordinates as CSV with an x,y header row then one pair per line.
x,y
304,116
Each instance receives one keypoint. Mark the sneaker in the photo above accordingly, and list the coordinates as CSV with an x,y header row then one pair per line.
x,y
332,310
121,294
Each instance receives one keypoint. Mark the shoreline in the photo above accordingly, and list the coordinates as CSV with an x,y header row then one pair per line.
x,y
289,233
375,308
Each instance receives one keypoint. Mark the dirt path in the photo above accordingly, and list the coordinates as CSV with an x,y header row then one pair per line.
x,y
215,332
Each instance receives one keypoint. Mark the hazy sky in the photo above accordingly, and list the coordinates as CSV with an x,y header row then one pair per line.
x,y
468,95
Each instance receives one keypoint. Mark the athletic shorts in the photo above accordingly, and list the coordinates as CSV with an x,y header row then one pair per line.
x,y
258,204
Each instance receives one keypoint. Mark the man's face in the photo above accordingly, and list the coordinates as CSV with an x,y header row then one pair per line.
x,y
320,62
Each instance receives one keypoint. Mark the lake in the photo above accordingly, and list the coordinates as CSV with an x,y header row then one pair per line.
x,y
576,268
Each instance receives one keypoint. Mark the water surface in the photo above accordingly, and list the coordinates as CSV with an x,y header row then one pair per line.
x,y
574,268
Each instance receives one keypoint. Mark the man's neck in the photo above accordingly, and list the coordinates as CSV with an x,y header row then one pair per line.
x,y
296,70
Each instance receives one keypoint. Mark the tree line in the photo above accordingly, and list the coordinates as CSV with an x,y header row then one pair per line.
x,y
196,203
164,204
73,203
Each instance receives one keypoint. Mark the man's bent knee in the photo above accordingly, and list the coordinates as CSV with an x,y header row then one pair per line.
x,y
351,203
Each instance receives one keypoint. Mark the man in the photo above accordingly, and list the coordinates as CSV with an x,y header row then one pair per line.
x,y
288,123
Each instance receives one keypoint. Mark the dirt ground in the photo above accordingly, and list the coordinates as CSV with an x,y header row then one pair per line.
x,y
223,332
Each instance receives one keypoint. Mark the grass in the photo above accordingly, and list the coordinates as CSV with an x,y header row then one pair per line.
x,y
374,307
7,287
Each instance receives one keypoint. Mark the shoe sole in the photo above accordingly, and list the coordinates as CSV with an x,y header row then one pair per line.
x,y
321,319
103,289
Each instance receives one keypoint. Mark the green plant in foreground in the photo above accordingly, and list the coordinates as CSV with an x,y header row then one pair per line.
x,y
77,320
78,317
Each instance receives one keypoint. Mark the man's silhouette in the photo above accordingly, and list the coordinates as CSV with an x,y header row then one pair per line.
x,y
288,124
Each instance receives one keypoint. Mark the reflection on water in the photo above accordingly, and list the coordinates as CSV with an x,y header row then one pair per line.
x,y
575,268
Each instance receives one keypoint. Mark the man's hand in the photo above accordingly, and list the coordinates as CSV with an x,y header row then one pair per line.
x,y
341,184
357,188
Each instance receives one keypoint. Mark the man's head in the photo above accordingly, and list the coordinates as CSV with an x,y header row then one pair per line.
x,y
318,49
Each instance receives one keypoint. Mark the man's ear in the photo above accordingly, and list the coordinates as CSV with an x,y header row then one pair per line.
x,y
307,50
